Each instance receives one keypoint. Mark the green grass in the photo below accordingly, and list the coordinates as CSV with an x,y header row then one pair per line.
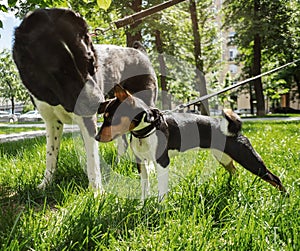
x,y
10,130
272,115
205,209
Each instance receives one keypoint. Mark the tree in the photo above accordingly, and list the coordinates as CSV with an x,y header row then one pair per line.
x,y
23,7
168,32
261,26
11,87
162,69
178,47
133,33
286,81
200,78
256,66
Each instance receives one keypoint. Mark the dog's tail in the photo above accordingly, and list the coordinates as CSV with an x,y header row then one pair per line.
x,y
240,149
231,123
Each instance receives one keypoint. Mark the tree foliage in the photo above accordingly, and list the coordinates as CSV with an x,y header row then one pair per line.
x,y
10,83
276,23
173,24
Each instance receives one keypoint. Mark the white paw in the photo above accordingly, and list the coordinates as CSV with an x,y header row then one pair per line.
x,y
97,189
43,185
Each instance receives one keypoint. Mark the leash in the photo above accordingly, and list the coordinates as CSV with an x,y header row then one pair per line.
x,y
208,96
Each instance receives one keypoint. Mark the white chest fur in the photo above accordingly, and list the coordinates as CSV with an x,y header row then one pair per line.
x,y
52,112
145,149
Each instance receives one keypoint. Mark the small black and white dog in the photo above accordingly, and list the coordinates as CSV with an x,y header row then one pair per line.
x,y
69,77
155,134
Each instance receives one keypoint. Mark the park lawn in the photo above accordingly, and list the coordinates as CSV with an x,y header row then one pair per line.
x,y
10,130
205,209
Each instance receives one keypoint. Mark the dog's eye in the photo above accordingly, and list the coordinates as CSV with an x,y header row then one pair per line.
x,y
107,118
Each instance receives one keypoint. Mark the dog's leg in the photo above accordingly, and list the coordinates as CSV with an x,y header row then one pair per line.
x,y
122,145
224,160
163,181
54,129
145,184
88,128
240,149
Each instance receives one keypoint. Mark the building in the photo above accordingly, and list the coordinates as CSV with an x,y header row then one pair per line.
x,y
231,67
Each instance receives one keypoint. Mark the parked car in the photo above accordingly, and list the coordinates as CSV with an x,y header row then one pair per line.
x,y
215,112
8,117
31,116
244,111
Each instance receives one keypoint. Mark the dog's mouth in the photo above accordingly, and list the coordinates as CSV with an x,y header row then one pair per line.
x,y
104,140
104,137
109,133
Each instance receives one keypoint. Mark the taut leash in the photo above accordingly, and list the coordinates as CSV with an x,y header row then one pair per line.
x,y
208,96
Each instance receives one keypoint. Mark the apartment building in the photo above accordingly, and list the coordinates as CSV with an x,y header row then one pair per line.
x,y
230,66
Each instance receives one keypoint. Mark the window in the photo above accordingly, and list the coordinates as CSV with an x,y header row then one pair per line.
x,y
232,54
231,38
233,68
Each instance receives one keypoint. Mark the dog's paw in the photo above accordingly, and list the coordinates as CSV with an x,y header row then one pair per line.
x,y
43,185
97,189
99,193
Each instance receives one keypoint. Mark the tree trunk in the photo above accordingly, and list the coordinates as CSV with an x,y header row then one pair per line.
x,y
162,69
133,33
297,80
200,82
12,100
12,97
256,68
251,98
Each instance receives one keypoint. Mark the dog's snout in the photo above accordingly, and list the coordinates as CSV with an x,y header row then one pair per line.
x,y
97,137
104,135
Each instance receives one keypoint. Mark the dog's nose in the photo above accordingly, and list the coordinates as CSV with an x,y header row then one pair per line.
x,y
97,137
103,138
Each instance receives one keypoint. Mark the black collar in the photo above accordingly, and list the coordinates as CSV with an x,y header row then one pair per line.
x,y
150,129
145,132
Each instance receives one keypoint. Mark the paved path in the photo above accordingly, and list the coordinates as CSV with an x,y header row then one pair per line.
x,y
272,119
74,128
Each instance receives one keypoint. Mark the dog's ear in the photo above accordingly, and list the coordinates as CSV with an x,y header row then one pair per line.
x,y
121,94
152,115
149,118
103,105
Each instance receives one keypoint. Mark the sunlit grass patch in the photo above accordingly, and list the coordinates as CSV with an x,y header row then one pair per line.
x,y
206,209
10,130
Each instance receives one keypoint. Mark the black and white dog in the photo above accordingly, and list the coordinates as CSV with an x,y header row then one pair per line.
x,y
69,77
155,134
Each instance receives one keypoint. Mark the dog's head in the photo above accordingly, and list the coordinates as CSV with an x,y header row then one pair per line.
x,y
55,55
123,114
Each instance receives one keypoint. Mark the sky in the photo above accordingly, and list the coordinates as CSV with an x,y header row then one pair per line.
x,y
9,25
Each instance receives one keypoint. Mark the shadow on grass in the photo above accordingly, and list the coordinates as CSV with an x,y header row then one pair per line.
x,y
16,147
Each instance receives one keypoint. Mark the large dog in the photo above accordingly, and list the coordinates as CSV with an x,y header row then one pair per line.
x,y
69,77
155,134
